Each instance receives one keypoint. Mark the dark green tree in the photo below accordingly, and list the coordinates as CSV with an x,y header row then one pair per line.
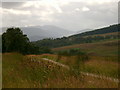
x,y
13,40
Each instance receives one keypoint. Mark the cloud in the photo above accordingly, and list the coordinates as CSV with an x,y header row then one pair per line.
x,y
9,5
77,9
99,15
85,9
46,3
16,12
68,14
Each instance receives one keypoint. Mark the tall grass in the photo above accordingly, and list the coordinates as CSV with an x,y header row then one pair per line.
x,y
106,66
32,72
79,60
19,71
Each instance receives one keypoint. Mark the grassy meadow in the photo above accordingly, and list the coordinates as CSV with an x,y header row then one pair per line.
x,y
31,71
20,72
96,64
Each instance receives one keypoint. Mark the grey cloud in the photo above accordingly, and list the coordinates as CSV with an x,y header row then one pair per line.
x,y
119,12
99,15
9,5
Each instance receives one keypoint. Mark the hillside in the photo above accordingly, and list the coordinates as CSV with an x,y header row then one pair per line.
x,y
103,48
110,29
107,33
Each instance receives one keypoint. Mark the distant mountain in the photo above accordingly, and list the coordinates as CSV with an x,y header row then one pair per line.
x,y
40,32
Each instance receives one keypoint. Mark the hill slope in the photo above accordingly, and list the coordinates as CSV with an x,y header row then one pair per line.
x,y
107,33
103,48
110,29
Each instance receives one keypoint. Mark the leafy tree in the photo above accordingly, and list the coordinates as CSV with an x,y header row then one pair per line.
x,y
14,40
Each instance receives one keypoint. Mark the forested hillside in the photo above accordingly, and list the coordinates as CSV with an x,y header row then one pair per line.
x,y
110,29
105,33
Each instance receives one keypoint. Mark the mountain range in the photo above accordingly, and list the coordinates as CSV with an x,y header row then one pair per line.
x,y
35,33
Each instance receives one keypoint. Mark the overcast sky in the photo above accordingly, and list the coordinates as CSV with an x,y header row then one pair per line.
x,y
69,14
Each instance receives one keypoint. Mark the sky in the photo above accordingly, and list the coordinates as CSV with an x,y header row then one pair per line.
x,y
74,15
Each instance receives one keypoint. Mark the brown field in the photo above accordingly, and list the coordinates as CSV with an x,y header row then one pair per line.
x,y
104,48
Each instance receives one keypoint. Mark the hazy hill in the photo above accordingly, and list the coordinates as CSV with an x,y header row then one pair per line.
x,y
40,32
48,31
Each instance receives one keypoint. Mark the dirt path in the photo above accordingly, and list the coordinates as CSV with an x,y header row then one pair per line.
x,y
84,73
